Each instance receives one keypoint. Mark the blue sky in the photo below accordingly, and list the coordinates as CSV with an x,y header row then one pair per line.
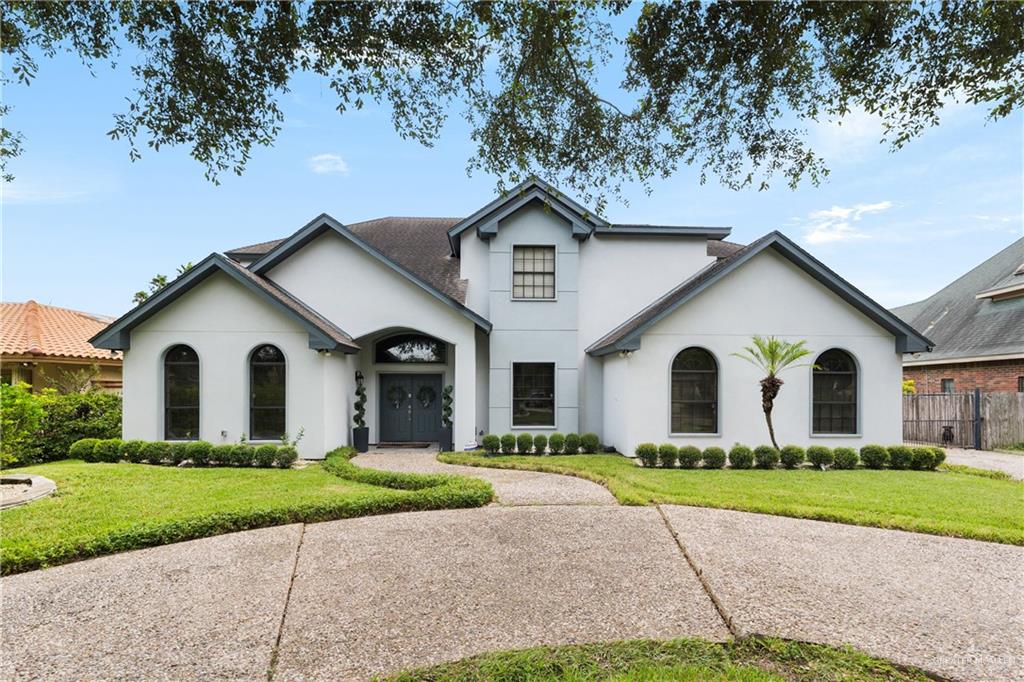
x,y
84,228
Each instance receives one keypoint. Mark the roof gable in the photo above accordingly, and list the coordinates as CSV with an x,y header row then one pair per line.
x,y
323,335
626,337
323,224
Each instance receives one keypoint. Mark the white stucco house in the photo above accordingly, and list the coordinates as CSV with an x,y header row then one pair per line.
x,y
542,316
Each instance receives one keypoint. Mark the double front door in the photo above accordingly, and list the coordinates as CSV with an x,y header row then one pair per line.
x,y
410,407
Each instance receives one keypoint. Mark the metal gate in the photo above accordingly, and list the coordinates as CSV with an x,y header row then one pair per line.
x,y
952,419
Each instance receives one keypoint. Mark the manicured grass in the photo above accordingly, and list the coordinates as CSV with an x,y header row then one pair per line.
x,y
106,508
684,660
937,502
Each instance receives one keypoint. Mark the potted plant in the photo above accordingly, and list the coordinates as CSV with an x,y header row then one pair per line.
x,y
360,433
446,444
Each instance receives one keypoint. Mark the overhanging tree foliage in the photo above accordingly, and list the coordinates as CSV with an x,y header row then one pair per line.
x,y
726,87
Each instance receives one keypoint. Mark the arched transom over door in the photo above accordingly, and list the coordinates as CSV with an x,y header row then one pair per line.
x,y
694,392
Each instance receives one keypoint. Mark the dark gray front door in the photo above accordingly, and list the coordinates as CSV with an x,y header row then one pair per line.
x,y
410,407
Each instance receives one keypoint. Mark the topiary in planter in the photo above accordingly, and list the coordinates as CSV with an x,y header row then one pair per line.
x,y
844,458
900,456
200,452
590,444
939,457
766,457
107,450
492,444
667,455
508,444
820,456
921,458
714,457
689,456
524,443
647,453
286,456
131,450
221,455
556,443
83,449
741,457
156,452
874,456
540,444
179,452
791,456
264,456
572,444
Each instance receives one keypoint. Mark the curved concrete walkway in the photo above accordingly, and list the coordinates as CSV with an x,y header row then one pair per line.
x,y
344,600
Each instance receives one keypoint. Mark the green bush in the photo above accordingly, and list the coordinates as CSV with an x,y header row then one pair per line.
x,y
922,458
20,418
508,444
572,444
131,450
667,455
590,443
83,449
156,452
714,457
766,457
524,443
689,456
108,450
179,451
874,456
71,417
647,453
556,443
820,456
540,444
791,456
199,451
492,444
899,456
741,457
844,458
265,456
287,455
940,456
221,455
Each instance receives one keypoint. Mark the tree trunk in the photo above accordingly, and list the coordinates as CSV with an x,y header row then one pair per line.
x,y
770,387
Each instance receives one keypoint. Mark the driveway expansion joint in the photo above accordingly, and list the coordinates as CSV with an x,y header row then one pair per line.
x,y
272,666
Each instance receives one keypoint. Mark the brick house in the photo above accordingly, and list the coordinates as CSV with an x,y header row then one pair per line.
x,y
977,324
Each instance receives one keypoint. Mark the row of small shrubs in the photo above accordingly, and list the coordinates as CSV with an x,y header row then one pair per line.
x,y
555,444
669,456
198,452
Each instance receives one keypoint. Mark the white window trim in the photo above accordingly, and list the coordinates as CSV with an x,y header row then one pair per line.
x,y
512,272
512,396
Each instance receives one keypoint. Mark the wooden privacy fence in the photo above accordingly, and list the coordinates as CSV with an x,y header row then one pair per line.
x,y
966,420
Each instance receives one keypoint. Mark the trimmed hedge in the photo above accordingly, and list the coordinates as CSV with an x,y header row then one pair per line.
x,y
179,451
766,457
540,444
508,444
874,456
572,444
689,456
286,456
590,443
900,456
647,453
741,457
844,458
132,451
791,456
921,458
108,450
199,452
524,443
556,443
668,455
820,456
222,453
714,457
83,449
156,452
264,456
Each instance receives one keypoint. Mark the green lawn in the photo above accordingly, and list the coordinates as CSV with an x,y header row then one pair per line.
x,y
107,508
937,502
680,660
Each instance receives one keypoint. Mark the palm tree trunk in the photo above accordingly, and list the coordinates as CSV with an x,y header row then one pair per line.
x,y
770,387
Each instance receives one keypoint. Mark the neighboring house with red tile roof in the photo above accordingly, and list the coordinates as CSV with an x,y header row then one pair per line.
x,y
541,316
38,343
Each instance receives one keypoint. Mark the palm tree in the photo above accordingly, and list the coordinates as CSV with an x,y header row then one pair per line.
x,y
772,355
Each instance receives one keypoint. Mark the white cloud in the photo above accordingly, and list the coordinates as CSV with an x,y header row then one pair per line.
x,y
836,224
328,163
20,193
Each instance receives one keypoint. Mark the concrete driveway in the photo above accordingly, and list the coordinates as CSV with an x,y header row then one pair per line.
x,y
347,599
986,459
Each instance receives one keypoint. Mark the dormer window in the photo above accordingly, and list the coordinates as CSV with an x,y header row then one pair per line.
x,y
533,273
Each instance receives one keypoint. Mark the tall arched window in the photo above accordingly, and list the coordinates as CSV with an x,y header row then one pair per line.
x,y
266,393
694,392
834,397
181,394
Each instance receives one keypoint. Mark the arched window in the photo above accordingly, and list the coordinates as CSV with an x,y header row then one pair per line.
x,y
834,396
181,394
411,348
694,392
266,393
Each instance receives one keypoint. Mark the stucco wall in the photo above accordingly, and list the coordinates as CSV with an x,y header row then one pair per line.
x,y
223,322
767,296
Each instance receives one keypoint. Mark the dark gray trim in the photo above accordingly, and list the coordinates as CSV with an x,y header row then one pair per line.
x,y
627,336
117,335
715,233
324,223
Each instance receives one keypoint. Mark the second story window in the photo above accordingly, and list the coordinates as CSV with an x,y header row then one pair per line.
x,y
533,272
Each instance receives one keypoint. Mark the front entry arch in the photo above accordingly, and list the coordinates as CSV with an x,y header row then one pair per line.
x,y
410,407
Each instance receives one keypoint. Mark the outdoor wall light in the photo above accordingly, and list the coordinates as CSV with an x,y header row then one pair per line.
x,y
359,377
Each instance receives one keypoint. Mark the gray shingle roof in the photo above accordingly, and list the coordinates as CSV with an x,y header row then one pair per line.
x,y
962,325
